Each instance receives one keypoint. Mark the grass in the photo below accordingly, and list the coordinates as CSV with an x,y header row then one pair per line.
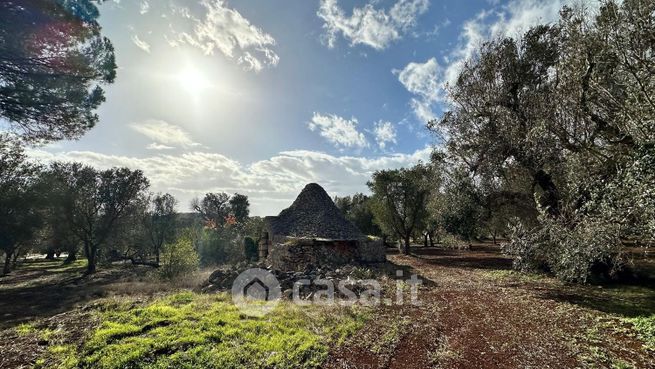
x,y
592,351
628,301
41,272
187,330
630,311
56,265
515,276
391,336
644,326
25,329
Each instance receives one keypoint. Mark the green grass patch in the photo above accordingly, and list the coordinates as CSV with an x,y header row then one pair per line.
x,y
391,337
56,265
189,330
25,329
512,275
77,265
644,326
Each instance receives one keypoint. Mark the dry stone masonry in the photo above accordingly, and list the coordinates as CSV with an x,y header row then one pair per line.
x,y
313,232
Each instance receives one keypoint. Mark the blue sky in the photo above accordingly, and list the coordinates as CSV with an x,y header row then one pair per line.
x,y
262,97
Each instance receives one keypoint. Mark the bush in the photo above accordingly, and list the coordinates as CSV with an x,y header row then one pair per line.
x,y
250,249
179,259
219,247
453,242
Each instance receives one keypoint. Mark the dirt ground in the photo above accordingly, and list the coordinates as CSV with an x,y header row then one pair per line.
x,y
474,312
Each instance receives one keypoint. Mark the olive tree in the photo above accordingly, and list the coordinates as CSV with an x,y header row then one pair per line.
x,y
569,106
160,222
357,209
399,201
95,200
19,214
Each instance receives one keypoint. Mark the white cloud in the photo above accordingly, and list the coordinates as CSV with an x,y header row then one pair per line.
x,y
157,146
225,30
509,20
422,80
271,184
141,44
337,130
427,81
385,133
369,26
144,7
164,134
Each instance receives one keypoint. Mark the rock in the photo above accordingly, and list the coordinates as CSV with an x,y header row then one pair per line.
x,y
216,276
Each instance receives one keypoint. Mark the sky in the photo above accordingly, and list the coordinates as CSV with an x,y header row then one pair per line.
x,y
262,97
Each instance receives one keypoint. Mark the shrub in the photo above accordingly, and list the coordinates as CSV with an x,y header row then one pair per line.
x,y
219,247
179,258
250,248
450,241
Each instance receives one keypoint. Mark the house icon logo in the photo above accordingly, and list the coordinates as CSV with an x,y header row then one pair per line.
x,y
256,292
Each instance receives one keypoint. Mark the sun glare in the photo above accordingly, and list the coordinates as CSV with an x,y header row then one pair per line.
x,y
193,80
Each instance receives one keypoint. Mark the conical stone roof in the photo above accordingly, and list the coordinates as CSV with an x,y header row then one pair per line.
x,y
313,215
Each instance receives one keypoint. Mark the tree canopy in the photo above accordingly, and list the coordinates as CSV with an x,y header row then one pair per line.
x,y
569,108
94,201
19,214
399,201
53,62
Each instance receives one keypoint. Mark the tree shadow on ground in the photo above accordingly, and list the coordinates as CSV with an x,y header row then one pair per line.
x,y
631,294
477,257
630,297
39,289
619,299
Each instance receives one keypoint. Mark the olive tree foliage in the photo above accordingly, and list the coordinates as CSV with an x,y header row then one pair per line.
x,y
455,203
53,62
129,239
240,207
461,215
57,235
94,202
225,222
571,106
220,209
19,213
160,222
399,201
357,209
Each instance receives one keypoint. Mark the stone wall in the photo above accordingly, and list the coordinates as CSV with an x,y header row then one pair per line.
x,y
301,254
371,251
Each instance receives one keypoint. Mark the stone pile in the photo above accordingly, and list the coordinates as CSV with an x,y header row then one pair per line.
x,y
353,277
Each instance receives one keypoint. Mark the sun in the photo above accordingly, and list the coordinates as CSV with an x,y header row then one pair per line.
x,y
193,80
